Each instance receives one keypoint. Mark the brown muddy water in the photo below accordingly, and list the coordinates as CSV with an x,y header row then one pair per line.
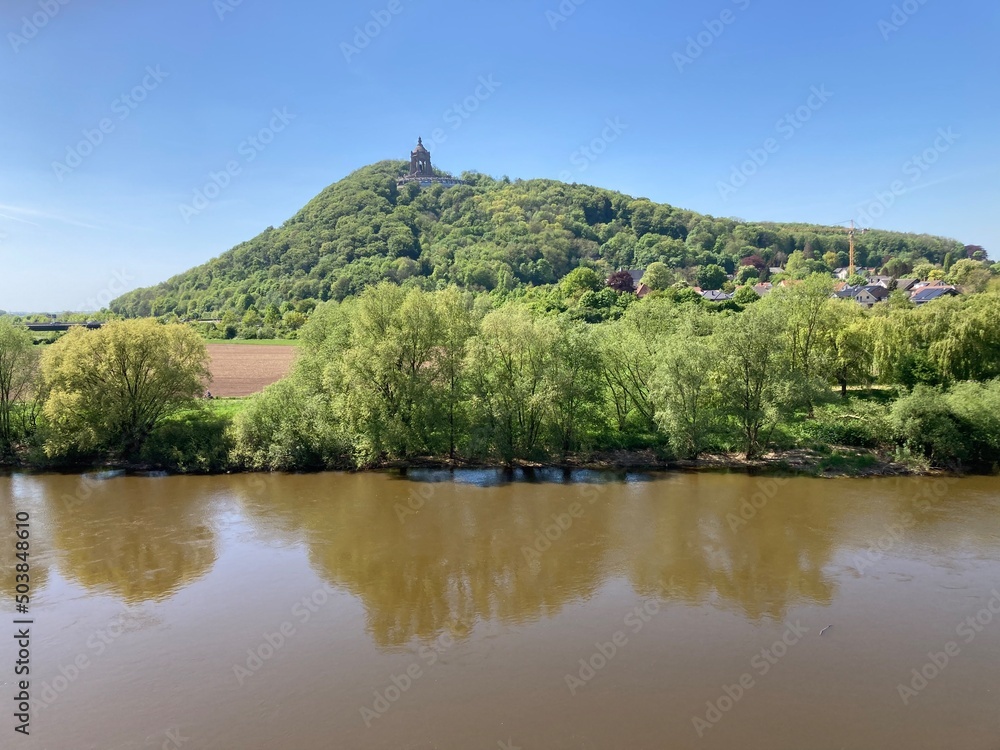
x,y
479,611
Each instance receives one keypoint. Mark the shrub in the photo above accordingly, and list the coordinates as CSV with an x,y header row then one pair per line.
x,y
190,442
977,405
287,428
857,431
925,424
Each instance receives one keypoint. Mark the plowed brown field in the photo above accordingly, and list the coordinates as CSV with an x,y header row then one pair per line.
x,y
244,369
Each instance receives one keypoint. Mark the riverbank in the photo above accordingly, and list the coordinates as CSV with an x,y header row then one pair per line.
x,y
849,437
838,462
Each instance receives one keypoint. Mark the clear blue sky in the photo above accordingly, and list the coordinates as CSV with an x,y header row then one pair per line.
x,y
112,219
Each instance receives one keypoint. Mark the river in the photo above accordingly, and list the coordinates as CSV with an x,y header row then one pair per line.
x,y
486,611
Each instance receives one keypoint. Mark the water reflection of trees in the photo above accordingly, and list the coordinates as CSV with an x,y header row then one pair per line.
x,y
429,557
423,566
697,538
37,558
139,539
458,556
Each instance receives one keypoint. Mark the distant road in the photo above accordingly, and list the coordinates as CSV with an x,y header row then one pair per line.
x,y
59,326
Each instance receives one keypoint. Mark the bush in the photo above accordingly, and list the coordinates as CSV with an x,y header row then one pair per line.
x,y
287,428
190,442
977,405
925,424
857,431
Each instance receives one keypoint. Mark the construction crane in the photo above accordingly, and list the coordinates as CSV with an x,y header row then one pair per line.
x,y
850,266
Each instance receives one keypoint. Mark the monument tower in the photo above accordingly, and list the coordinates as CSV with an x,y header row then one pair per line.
x,y
420,161
421,170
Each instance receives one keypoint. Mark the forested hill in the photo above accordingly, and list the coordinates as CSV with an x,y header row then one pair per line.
x,y
491,234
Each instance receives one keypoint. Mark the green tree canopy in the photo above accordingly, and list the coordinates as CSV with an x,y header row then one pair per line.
x,y
108,389
711,277
18,372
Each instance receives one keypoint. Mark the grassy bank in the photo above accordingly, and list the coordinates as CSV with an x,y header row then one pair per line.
x,y
847,437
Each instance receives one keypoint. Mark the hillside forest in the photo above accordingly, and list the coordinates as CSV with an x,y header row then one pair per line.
x,y
498,236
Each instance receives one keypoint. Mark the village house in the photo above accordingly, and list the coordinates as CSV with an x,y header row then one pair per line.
x,y
714,295
868,295
636,274
876,289
930,293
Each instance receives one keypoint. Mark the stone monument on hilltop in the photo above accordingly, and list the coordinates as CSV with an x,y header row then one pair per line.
x,y
420,161
421,170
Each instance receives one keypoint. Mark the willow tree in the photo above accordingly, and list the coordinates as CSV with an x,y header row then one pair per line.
x,y
849,345
18,368
459,321
967,341
388,379
754,377
109,389
577,408
805,308
509,367
685,392
629,352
